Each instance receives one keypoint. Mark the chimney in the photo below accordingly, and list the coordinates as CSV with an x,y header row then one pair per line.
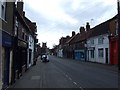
x,y
73,33
82,29
87,26
23,13
20,6
43,45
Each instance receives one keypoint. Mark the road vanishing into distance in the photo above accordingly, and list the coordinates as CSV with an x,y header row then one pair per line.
x,y
68,73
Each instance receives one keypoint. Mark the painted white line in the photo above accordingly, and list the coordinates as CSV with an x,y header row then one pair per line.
x,y
81,88
66,75
70,78
75,83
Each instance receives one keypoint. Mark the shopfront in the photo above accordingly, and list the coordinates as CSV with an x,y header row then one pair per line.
x,y
6,56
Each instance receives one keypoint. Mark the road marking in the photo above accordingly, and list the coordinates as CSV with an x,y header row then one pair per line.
x,y
75,83
66,75
70,78
81,88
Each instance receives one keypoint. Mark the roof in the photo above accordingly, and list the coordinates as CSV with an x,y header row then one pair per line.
x,y
30,24
100,29
80,37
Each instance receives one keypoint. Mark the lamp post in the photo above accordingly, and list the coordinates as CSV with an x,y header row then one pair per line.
x,y
118,7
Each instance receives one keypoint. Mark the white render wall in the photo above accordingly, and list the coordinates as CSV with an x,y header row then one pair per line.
x,y
60,53
30,46
97,46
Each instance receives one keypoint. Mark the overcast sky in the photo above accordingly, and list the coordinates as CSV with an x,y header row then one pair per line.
x,y
57,18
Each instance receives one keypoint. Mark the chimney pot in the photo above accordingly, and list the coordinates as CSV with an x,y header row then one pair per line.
x,y
82,29
73,33
87,26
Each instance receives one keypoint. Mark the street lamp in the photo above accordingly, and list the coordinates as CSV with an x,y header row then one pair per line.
x,y
118,6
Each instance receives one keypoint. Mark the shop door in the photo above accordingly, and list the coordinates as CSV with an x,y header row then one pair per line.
x,y
5,61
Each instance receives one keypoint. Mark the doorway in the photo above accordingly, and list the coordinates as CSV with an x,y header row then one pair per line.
x,y
106,54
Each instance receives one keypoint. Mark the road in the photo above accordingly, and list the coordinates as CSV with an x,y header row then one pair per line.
x,y
65,73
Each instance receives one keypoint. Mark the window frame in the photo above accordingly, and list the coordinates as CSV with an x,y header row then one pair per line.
x,y
3,10
100,40
92,54
101,53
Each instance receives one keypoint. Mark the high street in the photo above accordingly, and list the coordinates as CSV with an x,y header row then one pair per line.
x,y
65,73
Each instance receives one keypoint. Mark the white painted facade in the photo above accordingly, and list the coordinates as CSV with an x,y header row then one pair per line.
x,y
60,53
100,49
30,51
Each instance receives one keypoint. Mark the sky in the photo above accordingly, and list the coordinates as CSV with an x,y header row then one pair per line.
x,y
58,18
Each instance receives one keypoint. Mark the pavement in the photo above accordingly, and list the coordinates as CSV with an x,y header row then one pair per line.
x,y
0,84
65,73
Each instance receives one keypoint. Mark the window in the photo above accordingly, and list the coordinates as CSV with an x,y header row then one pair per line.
x,y
26,37
23,34
16,27
92,53
100,40
3,4
92,42
117,28
16,30
16,22
100,53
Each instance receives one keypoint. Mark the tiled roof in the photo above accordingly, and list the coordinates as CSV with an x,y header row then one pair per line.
x,y
80,37
100,29
32,27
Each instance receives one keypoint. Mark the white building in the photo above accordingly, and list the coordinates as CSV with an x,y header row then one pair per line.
x,y
60,53
98,49
30,51
98,43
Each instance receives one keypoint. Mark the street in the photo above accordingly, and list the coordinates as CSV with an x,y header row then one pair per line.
x,y
65,73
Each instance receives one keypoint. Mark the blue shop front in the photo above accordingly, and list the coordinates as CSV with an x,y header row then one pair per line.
x,y
6,49
79,54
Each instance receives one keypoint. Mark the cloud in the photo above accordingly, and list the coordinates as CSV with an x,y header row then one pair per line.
x,y
57,18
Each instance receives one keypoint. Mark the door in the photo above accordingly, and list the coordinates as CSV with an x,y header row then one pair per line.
x,y
106,54
5,61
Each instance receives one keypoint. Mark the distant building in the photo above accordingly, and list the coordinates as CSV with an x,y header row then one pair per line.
x,y
44,48
98,44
